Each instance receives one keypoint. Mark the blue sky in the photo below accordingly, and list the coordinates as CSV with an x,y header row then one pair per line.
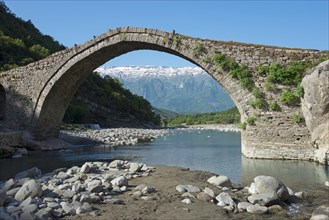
x,y
297,24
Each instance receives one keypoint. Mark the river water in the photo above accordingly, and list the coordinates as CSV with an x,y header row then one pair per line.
x,y
207,150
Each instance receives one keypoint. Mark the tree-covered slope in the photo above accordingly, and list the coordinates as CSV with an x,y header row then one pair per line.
x,y
106,102
21,42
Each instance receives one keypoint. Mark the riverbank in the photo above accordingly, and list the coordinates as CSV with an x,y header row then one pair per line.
x,y
126,190
131,136
218,127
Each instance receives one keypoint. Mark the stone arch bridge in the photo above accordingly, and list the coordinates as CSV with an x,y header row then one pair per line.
x,y
34,98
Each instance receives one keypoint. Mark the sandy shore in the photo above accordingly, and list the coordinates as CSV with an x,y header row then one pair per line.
x,y
166,202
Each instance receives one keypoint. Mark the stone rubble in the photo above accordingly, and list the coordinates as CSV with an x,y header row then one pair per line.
x,y
118,136
265,195
73,191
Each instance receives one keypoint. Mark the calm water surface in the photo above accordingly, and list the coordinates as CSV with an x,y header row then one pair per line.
x,y
208,150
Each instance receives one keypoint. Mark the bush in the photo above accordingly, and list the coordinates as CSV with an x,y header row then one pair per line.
x,y
274,106
288,98
269,86
251,120
297,118
257,93
263,70
299,91
242,125
235,70
257,103
289,75
198,49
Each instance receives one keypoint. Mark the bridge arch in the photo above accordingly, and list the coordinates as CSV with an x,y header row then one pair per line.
x,y
58,91
2,103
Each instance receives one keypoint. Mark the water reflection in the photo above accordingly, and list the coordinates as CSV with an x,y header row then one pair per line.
x,y
298,175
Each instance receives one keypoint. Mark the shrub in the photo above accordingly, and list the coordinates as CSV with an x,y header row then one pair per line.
x,y
198,49
289,75
263,70
235,70
299,91
274,106
257,93
297,118
257,103
242,125
218,58
251,120
269,86
288,98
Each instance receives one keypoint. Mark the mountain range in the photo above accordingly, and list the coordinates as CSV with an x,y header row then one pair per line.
x,y
185,90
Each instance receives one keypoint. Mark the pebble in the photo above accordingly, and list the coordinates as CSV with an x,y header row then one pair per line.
x,y
187,201
204,197
326,183
257,209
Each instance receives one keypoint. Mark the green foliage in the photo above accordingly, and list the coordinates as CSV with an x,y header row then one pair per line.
x,y
77,112
299,91
229,116
73,127
257,103
297,118
269,86
110,96
20,42
40,50
263,70
288,98
289,75
257,93
198,49
274,106
235,70
176,39
242,125
251,120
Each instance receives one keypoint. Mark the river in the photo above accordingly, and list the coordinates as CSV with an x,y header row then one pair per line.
x,y
207,150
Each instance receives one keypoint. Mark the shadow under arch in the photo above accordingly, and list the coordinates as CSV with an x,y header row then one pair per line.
x,y
59,90
2,103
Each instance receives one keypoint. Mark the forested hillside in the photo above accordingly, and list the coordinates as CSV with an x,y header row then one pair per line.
x,y
98,100
21,42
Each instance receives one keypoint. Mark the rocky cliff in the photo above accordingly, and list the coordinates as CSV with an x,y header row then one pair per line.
x,y
315,107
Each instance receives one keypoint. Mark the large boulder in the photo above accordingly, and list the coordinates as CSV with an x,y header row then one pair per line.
x,y
315,107
222,181
29,188
30,173
271,186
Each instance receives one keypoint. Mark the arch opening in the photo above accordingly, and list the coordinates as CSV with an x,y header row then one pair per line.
x,y
59,90
2,103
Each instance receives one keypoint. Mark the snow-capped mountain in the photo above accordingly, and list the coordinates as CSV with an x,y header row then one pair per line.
x,y
179,89
148,71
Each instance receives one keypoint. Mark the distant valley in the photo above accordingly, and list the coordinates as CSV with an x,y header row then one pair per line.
x,y
186,90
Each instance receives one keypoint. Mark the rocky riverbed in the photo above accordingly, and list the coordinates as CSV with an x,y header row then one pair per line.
x,y
117,136
126,190
131,136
